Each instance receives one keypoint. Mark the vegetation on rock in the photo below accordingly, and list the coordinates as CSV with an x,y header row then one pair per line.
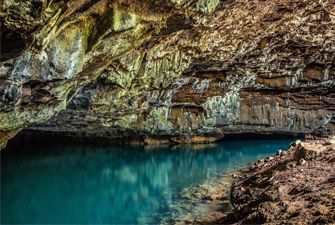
x,y
104,67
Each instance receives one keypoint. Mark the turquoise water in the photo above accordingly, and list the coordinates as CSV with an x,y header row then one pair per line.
x,y
86,184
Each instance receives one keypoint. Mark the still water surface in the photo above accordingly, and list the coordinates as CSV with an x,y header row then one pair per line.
x,y
86,184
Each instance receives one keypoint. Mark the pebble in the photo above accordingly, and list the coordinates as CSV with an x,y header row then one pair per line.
x,y
302,162
297,142
188,221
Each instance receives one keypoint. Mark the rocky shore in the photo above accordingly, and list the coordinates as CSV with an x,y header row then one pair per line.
x,y
296,186
204,203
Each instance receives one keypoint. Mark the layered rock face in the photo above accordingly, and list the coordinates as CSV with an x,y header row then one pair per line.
x,y
189,68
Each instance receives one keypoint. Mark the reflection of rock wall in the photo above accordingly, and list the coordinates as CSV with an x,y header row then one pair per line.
x,y
139,179
168,67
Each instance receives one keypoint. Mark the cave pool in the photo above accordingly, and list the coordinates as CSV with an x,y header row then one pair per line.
x,y
113,184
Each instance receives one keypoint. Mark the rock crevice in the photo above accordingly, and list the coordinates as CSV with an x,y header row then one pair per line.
x,y
201,68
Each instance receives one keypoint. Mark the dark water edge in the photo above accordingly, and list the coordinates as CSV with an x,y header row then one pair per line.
x,y
60,180
33,137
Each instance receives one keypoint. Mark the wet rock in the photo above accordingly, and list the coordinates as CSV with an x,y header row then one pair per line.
x,y
200,69
155,141
5,137
194,139
302,162
277,194
205,201
310,150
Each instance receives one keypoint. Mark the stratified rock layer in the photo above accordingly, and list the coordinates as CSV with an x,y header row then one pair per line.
x,y
198,69
294,187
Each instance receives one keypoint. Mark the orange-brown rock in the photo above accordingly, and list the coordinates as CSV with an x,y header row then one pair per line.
x,y
168,68
294,187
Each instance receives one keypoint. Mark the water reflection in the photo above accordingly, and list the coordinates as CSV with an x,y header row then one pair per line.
x,y
119,185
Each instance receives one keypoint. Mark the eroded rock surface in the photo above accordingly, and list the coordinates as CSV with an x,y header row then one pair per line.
x,y
197,69
294,187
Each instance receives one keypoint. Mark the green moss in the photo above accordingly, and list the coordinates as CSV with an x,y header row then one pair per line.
x,y
158,120
124,20
124,74
20,118
207,6
6,136
127,121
